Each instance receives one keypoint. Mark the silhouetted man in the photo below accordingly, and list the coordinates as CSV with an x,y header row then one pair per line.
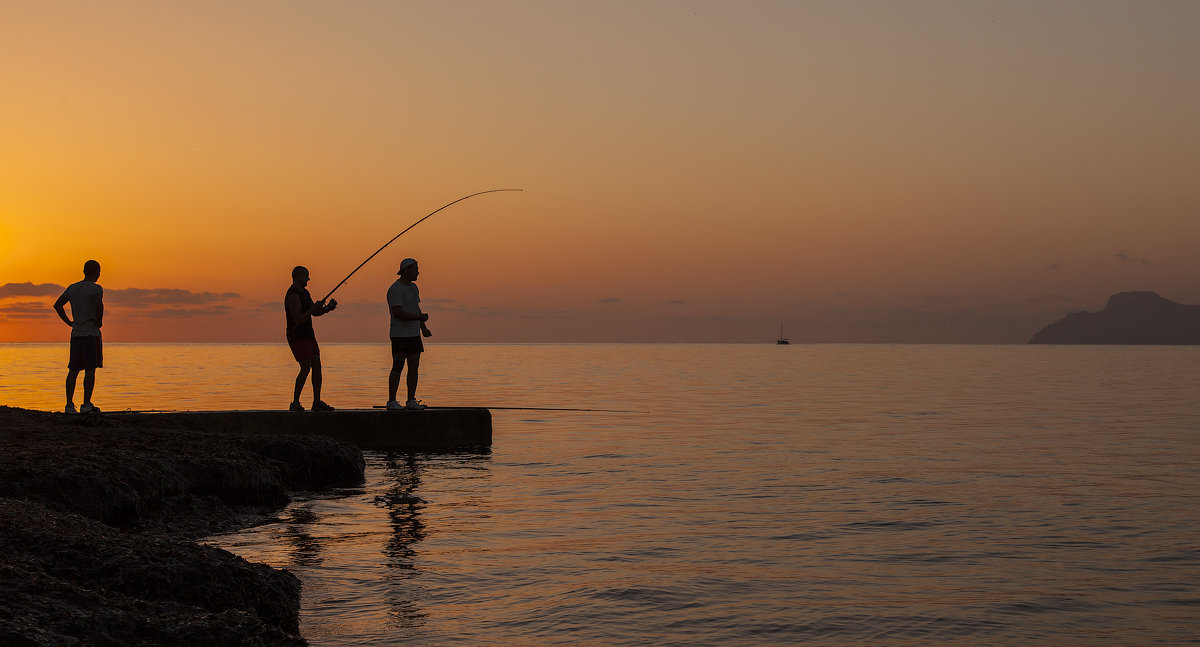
x,y
408,326
299,307
87,353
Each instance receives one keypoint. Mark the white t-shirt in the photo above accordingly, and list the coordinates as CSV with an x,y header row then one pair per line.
x,y
82,296
408,298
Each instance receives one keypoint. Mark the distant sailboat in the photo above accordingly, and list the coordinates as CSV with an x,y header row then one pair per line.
x,y
782,340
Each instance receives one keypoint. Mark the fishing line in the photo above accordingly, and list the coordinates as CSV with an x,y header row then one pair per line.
x,y
406,231
665,216
380,406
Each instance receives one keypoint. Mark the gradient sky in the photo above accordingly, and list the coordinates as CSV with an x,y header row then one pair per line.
x,y
924,171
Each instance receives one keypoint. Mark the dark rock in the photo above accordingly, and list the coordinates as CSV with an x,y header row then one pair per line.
x,y
65,578
124,476
95,523
309,462
1128,318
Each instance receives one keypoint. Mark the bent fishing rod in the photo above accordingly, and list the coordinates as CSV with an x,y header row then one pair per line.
x,y
406,231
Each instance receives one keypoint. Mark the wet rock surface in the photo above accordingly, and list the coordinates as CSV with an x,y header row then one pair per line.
x,y
97,522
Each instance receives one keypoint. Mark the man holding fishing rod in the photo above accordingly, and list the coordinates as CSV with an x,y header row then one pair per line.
x,y
408,322
300,308
408,326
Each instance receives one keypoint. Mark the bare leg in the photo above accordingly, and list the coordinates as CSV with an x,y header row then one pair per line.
x,y
316,379
72,375
414,361
301,378
89,383
393,384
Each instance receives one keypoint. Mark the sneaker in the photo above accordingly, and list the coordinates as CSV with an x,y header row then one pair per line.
x,y
320,405
70,408
295,406
392,405
88,407
414,405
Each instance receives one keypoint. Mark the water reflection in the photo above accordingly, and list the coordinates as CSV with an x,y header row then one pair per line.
x,y
306,547
412,485
1050,501
403,508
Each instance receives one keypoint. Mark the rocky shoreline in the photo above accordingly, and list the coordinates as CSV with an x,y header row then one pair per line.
x,y
98,523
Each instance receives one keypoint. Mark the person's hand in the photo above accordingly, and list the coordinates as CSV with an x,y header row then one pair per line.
x,y
332,304
424,317
425,332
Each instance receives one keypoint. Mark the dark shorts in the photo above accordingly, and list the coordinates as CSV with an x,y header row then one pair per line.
x,y
304,349
86,353
402,346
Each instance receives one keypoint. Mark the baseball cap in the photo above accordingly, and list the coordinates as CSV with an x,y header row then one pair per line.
x,y
406,262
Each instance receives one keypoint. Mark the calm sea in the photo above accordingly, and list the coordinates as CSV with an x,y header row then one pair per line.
x,y
763,495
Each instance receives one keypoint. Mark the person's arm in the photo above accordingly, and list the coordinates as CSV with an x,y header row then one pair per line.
x,y
316,309
62,314
399,313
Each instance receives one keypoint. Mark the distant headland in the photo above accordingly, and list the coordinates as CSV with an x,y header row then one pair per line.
x,y
1128,318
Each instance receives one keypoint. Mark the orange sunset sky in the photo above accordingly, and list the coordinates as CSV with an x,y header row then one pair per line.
x,y
924,171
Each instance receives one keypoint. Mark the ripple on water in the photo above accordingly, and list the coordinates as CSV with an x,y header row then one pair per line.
x,y
1002,496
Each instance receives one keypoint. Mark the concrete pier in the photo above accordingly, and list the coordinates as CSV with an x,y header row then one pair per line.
x,y
429,430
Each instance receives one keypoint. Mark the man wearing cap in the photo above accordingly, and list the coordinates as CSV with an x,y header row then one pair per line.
x,y
408,326
299,307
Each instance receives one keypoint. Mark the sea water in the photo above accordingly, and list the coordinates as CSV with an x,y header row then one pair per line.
x,y
747,495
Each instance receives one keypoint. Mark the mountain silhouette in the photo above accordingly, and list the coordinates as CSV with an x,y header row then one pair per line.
x,y
1128,318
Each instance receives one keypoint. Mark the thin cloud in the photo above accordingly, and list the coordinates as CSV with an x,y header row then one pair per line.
x,y
378,309
741,319
1047,299
532,313
127,297
344,308
609,300
130,302
145,298
26,310
372,309
1126,258
30,289
217,310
